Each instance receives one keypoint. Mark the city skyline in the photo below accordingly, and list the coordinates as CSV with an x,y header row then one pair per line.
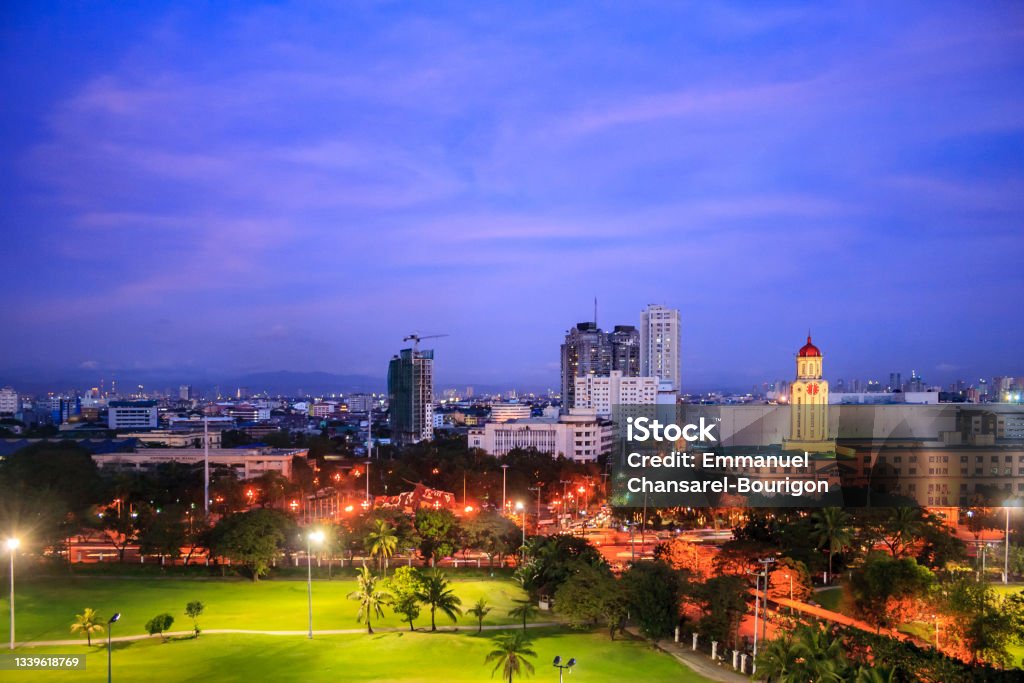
x,y
245,188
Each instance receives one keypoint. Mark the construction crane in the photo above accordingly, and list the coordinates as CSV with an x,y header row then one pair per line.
x,y
416,339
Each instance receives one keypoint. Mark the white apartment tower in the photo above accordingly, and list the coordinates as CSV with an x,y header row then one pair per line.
x,y
659,343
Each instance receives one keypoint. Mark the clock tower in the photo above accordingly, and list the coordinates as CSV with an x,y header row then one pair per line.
x,y
808,400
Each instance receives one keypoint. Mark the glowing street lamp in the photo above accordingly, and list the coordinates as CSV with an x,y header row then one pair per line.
x,y
318,538
522,508
12,545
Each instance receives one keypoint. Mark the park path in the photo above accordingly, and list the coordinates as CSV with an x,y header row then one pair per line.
x,y
326,632
695,661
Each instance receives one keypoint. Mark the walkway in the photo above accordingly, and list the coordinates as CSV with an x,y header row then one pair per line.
x,y
697,662
327,632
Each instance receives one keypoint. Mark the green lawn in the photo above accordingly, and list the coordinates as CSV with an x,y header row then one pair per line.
x,y
381,657
46,607
830,598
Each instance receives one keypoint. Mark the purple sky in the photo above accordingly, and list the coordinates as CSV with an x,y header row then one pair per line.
x,y
249,187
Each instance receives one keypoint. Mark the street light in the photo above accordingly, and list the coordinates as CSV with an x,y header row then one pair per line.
x,y
561,667
1006,550
522,508
504,474
12,545
110,627
318,538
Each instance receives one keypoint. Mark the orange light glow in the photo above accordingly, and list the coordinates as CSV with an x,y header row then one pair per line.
x,y
348,508
469,508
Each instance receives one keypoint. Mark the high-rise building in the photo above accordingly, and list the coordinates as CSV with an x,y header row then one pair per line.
x,y
411,396
185,392
625,342
660,343
586,351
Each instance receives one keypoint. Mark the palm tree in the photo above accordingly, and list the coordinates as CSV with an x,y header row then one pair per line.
x,y
524,609
480,610
824,660
832,530
510,652
381,542
371,599
779,661
872,674
437,592
902,529
88,623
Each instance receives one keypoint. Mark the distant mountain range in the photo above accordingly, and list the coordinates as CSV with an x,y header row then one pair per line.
x,y
278,382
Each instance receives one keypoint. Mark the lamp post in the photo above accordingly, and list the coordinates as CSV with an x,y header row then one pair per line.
x,y
313,537
110,627
561,667
12,545
504,474
1006,548
522,508
765,563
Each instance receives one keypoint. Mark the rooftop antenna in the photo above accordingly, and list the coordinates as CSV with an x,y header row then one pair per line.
x,y
595,311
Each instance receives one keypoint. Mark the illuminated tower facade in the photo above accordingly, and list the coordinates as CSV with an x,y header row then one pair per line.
x,y
808,399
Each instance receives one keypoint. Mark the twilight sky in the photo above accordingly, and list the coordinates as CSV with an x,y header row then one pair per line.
x,y
272,186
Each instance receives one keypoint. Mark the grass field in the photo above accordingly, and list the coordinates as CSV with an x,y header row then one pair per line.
x,y
46,607
830,598
381,657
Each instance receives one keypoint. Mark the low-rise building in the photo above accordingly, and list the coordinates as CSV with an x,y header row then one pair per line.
x,y
132,415
246,463
174,438
599,393
581,435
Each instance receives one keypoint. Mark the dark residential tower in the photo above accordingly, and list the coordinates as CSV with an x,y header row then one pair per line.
x,y
411,396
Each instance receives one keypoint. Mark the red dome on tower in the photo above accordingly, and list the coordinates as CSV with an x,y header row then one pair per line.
x,y
809,350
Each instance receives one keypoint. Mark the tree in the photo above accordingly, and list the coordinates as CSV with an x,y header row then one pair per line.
x,y
120,528
832,530
371,598
582,599
593,596
381,543
822,653
88,622
436,591
555,558
480,610
885,589
524,609
491,533
724,602
810,653
163,533
901,529
193,611
437,531
403,587
986,623
654,597
779,660
789,578
252,539
510,654
158,624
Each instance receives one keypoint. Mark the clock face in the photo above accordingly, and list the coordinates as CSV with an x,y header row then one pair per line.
x,y
812,389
